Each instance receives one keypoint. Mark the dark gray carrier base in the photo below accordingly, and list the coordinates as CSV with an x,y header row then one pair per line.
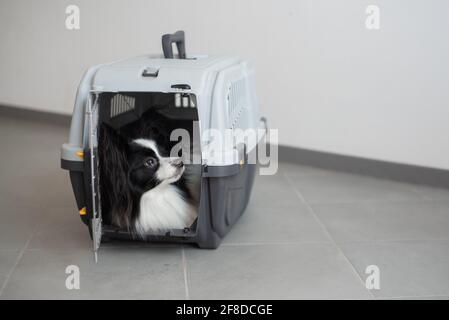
x,y
222,204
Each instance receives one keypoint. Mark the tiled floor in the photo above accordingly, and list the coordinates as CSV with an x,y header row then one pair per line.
x,y
308,233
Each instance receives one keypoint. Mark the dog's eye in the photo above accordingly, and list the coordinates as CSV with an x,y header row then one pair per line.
x,y
150,162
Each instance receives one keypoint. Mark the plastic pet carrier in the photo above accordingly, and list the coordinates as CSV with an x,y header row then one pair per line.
x,y
197,92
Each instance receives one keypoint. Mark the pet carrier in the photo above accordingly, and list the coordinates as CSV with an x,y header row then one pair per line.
x,y
214,92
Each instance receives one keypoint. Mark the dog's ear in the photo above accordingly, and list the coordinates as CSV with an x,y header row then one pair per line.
x,y
132,146
117,202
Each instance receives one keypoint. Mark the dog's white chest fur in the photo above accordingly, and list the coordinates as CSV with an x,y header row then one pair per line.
x,y
164,208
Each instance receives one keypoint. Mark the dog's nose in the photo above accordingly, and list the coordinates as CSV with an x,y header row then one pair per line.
x,y
177,162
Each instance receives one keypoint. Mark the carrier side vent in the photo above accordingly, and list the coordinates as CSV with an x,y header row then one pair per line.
x,y
121,104
237,100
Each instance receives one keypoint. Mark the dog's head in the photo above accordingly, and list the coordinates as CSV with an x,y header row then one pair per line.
x,y
149,169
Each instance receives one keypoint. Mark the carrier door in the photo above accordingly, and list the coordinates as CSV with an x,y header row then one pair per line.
x,y
92,139
170,119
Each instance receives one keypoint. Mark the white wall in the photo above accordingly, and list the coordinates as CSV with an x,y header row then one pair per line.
x,y
324,80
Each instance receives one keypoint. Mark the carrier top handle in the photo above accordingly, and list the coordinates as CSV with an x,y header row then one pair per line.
x,y
167,41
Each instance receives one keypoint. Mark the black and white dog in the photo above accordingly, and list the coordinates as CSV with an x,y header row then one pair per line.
x,y
142,188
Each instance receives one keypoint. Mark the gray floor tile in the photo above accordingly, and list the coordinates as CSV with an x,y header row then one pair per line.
x,y
33,176
406,268
7,260
343,187
44,186
276,223
17,224
422,298
120,274
385,221
273,190
14,237
301,170
437,194
61,228
2,282
272,272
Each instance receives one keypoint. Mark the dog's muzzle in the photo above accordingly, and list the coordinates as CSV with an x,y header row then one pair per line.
x,y
177,163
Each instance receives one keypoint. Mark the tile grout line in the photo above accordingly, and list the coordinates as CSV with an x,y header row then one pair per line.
x,y
312,212
16,263
361,242
403,241
272,243
406,297
343,202
184,269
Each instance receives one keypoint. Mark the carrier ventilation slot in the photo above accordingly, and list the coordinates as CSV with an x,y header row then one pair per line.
x,y
237,100
121,104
